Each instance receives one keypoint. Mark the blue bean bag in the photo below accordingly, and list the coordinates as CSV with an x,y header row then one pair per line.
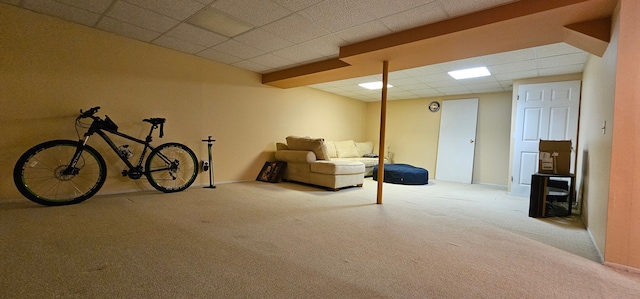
x,y
403,174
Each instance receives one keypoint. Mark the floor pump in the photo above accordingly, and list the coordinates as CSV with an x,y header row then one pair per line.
x,y
209,167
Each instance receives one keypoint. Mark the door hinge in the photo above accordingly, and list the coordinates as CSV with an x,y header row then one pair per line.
x,y
518,98
512,179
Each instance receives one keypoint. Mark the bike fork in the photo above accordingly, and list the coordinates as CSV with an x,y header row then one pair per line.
x,y
72,169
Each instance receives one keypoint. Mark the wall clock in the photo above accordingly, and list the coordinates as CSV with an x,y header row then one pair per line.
x,y
434,106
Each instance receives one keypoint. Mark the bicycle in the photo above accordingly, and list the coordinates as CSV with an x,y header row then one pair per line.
x,y
62,172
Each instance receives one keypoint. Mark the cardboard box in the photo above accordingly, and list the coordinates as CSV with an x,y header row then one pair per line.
x,y
554,156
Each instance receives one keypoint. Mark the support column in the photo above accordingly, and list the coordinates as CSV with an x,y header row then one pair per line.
x,y
383,124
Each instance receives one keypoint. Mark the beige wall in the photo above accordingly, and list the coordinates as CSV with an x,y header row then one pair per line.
x,y
50,69
594,147
412,134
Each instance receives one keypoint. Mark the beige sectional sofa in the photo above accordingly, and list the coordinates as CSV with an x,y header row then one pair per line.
x,y
332,164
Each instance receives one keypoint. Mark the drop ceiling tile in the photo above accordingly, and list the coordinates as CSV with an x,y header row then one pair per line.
x,y
463,7
403,81
462,64
328,45
296,5
338,15
125,29
509,57
295,28
263,40
569,69
257,13
412,87
177,44
524,65
141,17
486,79
175,9
415,17
271,61
97,6
480,87
445,83
70,13
437,77
251,66
298,54
238,49
426,93
507,85
555,50
364,32
568,59
384,8
219,56
517,75
453,89
196,35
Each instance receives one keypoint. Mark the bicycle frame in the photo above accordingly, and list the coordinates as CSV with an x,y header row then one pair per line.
x,y
99,126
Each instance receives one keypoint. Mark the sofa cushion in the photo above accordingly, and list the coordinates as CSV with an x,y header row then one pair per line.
x,y
331,149
346,149
281,146
364,148
337,167
316,145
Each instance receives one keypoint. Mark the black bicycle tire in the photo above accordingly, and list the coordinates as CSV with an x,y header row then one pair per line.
x,y
187,181
27,186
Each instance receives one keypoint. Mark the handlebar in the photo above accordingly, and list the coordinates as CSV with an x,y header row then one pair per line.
x,y
89,113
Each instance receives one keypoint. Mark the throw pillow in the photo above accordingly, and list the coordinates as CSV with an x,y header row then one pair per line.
x,y
281,146
308,144
331,149
346,149
364,148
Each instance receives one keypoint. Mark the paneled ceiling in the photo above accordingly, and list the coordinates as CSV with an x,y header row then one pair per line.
x,y
289,34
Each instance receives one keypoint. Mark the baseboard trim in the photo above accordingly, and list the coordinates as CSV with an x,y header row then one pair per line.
x,y
593,241
623,267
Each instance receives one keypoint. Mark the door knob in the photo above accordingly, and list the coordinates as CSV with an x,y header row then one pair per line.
x,y
471,141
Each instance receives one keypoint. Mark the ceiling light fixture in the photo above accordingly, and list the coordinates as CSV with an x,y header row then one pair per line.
x,y
470,73
373,85
215,21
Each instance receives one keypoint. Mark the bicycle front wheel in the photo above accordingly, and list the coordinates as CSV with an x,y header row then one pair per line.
x,y
42,174
171,167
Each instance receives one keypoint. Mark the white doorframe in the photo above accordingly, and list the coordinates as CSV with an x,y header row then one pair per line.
x,y
456,143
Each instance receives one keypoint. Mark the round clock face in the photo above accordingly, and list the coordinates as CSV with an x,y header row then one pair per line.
x,y
434,106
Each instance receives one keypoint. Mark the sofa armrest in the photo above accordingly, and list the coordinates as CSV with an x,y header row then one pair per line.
x,y
295,156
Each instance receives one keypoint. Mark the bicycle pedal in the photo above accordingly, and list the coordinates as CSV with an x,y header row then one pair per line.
x,y
125,172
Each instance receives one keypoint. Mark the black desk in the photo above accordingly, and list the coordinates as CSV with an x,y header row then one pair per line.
x,y
551,199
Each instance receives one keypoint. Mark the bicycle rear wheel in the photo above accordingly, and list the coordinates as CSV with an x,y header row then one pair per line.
x,y
42,174
171,167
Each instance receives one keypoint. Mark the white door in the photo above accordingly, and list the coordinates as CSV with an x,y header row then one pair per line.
x,y
456,144
547,111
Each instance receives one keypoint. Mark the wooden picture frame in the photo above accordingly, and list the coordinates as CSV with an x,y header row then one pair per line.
x,y
271,171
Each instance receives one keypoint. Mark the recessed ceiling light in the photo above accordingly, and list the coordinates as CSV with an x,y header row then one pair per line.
x,y
374,85
215,21
470,73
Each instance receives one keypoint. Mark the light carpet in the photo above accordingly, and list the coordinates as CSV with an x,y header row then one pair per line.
x,y
261,240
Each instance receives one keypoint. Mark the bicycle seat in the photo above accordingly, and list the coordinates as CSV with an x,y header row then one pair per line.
x,y
155,121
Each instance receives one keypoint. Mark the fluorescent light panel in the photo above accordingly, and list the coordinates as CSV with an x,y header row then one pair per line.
x,y
215,21
470,73
374,85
